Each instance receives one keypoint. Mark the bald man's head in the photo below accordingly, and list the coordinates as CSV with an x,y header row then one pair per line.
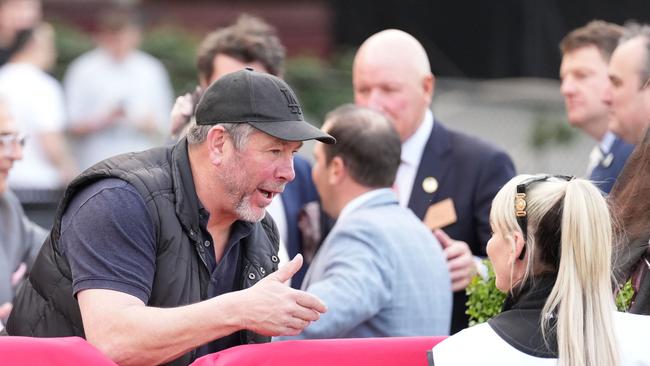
x,y
391,73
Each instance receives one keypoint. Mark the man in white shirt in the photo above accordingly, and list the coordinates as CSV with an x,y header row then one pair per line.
x,y
119,98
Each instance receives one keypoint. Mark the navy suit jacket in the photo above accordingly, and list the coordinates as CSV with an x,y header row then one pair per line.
x,y
470,172
296,194
605,173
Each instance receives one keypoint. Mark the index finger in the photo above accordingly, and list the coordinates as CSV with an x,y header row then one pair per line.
x,y
442,237
311,302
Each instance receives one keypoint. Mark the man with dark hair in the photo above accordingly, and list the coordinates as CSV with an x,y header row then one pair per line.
x,y
380,271
585,54
166,255
251,42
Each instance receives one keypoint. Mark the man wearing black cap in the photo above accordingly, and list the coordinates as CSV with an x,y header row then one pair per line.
x,y
168,251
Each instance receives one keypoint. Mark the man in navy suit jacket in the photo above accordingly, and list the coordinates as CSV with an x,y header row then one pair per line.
x,y
585,56
447,173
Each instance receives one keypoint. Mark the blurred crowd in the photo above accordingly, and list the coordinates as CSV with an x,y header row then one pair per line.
x,y
212,214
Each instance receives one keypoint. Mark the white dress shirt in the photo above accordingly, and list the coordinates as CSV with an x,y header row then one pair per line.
x,y
600,151
412,150
276,210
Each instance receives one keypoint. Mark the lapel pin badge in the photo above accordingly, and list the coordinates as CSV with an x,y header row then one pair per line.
x,y
430,184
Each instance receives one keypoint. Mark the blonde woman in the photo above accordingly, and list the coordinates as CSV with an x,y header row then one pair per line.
x,y
551,251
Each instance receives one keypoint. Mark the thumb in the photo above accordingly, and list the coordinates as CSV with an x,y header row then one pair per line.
x,y
442,237
5,310
287,271
18,274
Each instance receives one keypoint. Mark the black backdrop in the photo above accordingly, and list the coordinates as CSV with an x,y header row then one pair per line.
x,y
482,38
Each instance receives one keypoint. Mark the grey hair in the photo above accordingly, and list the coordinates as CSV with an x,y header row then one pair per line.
x,y
634,30
238,132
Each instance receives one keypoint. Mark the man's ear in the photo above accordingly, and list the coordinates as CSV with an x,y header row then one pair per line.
x,y
216,144
336,170
429,86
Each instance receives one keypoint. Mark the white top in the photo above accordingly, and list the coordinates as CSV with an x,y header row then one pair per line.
x,y
488,348
412,150
276,210
95,84
35,100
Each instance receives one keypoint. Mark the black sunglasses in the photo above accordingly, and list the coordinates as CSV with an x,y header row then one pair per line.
x,y
520,203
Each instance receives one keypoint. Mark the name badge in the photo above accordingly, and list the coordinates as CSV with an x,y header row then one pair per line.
x,y
440,214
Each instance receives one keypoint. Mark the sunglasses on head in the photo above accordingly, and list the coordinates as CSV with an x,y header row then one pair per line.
x,y
520,203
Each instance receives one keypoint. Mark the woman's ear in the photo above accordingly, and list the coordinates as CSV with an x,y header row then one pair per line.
x,y
518,245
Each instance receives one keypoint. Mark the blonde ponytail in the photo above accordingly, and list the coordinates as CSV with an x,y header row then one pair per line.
x,y
581,298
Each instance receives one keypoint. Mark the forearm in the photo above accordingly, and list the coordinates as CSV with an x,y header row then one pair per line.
x,y
141,335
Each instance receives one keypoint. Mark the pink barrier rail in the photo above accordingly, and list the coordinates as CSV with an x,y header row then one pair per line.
x,y
61,351
406,351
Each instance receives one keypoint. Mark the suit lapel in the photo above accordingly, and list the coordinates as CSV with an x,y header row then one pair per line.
x,y
433,164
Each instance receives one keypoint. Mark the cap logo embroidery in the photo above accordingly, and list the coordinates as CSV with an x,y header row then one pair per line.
x,y
292,103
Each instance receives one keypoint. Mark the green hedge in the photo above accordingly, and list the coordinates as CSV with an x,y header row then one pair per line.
x,y
321,85
485,300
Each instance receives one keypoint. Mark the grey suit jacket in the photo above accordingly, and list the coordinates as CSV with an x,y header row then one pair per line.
x,y
20,241
381,273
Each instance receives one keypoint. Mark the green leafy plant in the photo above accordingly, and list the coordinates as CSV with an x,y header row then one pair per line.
x,y
70,44
549,132
321,85
624,297
485,300
176,49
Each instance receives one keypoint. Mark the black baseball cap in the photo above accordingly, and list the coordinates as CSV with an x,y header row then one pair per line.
x,y
262,100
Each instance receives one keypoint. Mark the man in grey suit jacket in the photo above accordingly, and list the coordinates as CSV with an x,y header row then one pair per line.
x,y
380,271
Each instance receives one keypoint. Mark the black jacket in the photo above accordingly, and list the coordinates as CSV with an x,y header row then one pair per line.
x,y
45,306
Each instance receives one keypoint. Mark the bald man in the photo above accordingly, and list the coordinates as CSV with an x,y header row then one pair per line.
x,y
446,177
629,73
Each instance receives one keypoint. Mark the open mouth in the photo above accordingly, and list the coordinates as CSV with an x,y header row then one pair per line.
x,y
267,194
